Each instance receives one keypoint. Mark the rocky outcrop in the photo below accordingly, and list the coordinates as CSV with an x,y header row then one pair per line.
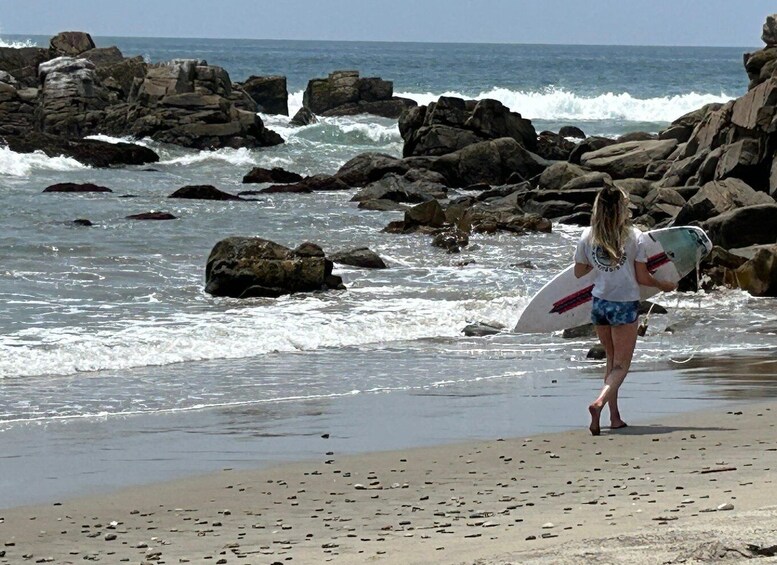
x,y
742,227
717,197
74,89
72,100
491,162
243,267
76,187
17,107
451,124
629,159
203,192
71,43
344,93
269,93
186,102
90,152
758,276
303,117
362,257
274,175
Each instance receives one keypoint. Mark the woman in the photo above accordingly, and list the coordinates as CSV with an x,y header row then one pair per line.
x,y
613,247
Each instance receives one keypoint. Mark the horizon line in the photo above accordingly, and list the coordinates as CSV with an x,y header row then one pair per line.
x,y
388,41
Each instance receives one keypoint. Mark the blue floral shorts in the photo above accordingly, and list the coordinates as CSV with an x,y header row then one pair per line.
x,y
607,313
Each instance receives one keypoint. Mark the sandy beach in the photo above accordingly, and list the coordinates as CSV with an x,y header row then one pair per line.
x,y
670,491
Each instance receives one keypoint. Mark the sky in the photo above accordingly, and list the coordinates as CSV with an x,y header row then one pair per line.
x,y
592,22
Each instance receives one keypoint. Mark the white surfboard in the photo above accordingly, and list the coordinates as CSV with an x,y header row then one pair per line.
x,y
565,302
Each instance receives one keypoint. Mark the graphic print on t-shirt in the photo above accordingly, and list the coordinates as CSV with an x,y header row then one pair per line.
x,y
604,262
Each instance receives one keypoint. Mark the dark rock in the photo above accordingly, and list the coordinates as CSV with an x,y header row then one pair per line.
x,y
559,174
452,240
584,331
740,227
451,124
597,352
481,329
758,276
269,92
400,189
582,219
635,136
571,131
242,267
345,93
274,175
588,145
71,43
23,63
381,205
425,214
553,146
309,184
74,187
491,162
303,117
360,257
203,192
369,167
769,35
717,197
87,151
152,216
82,222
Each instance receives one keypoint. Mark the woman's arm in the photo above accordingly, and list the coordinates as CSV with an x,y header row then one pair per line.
x,y
646,279
582,269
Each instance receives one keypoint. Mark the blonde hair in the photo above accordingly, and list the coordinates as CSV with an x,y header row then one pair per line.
x,y
611,221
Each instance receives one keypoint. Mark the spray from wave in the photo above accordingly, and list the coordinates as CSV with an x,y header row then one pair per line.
x,y
24,164
555,104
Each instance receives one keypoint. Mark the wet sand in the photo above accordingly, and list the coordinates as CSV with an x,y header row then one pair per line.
x,y
683,486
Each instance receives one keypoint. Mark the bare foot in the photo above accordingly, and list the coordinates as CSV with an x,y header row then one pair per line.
x,y
595,411
618,424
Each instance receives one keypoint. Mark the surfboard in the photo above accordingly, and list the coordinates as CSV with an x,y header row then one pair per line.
x,y
565,301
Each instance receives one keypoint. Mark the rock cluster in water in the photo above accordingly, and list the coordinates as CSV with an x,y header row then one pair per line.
x,y
467,166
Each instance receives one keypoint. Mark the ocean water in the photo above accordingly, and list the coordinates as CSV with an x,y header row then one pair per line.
x,y
110,323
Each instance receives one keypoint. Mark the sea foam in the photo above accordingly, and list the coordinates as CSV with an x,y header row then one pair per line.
x,y
14,164
559,104
288,325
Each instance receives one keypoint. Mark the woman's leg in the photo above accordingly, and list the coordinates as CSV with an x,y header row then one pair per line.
x,y
605,337
624,338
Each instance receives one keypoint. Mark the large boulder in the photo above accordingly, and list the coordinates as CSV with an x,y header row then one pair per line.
x,y
369,167
741,227
71,43
187,102
202,192
244,267
451,124
22,63
345,93
404,188
759,275
269,92
17,112
71,98
629,159
90,152
360,257
489,162
717,197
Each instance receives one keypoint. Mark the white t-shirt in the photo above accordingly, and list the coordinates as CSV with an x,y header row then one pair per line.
x,y
614,280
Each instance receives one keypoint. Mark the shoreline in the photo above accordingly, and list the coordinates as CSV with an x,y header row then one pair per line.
x,y
59,460
538,499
